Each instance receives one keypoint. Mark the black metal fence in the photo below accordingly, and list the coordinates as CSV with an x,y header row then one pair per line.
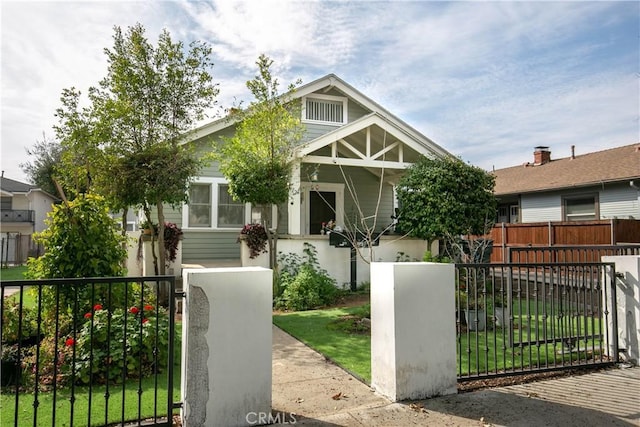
x,y
522,318
84,352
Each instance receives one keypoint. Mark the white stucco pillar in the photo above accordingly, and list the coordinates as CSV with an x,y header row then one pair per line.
x,y
295,198
628,309
226,346
413,336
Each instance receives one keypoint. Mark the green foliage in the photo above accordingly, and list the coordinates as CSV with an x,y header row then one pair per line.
x,y
46,155
121,343
255,237
18,321
445,197
303,284
126,144
257,159
429,257
81,240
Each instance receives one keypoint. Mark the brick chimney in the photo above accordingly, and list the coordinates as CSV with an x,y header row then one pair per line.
x,y
541,155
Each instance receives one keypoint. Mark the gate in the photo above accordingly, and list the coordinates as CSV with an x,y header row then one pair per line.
x,y
84,352
523,318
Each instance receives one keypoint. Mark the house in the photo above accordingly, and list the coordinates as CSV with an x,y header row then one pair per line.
x,y
593,186
582,200
351,156
24,208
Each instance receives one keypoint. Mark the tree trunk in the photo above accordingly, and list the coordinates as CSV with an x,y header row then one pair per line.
x,y
163,288
147,214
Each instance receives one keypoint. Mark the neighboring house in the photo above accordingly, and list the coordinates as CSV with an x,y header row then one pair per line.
x,y
24,208
593,186
349,139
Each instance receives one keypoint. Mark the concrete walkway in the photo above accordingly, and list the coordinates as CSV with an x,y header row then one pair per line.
x,y
308,390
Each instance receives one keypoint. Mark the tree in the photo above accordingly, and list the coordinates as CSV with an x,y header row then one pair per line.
x,y
257,160
150,97
445,198
126,145
41,170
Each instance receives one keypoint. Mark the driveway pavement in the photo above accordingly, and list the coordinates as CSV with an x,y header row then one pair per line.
x,y
310,391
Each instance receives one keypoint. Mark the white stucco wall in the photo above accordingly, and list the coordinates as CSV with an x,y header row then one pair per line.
x,y
337,261
413,336
628,306
226,346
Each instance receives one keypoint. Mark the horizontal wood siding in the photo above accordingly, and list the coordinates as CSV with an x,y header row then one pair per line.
x,y
316,130
367,187
541,207
356,111
572,233
199,246
619,201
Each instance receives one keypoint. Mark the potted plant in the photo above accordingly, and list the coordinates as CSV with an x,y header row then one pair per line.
x,y
475,312
148,228
255,237
501,312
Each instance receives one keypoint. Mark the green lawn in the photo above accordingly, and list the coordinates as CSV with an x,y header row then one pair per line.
x,y
13,273
350,351
132,411
481,352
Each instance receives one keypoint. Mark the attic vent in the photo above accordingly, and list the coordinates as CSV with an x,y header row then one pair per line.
x,y
325,109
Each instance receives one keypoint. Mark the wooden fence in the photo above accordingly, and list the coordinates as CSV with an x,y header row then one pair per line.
x,y
574,233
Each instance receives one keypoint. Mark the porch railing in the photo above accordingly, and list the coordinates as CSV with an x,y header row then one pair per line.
x,y
83,352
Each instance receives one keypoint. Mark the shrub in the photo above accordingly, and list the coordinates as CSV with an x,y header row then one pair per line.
x,y
82,240
303,284
117,344
12,328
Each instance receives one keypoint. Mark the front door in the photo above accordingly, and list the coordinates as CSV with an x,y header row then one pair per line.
x,y
322,208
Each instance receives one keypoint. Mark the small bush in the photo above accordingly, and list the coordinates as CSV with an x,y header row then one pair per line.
x,y
303,285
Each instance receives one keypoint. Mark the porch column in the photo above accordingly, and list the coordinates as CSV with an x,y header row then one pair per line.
x,y
294,205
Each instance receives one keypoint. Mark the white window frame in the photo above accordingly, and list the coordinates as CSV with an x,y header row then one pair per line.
x,y
343,99
215,187
307,188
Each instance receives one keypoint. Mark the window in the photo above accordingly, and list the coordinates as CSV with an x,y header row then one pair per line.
x,y
325,109
580,208
212,207
200,205
230,212
6,203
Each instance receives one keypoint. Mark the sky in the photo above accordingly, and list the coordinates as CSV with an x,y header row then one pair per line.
x,y
487,81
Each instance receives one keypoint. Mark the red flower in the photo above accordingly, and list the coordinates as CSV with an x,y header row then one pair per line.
x,y
69,342
148,307
134,310
97,307
145,320
87,315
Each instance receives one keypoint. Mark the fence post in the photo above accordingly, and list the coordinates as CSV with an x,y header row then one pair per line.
x,y
226,346
628,310
413,335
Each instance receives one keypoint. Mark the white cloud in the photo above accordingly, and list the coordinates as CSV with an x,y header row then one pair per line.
x,y
488,81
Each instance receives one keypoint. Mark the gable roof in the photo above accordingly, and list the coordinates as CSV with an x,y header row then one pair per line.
x,y
11,186
326,83
612,165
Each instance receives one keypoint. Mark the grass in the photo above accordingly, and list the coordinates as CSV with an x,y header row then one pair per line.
x,y
350,351
482,352
63,407
13,273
